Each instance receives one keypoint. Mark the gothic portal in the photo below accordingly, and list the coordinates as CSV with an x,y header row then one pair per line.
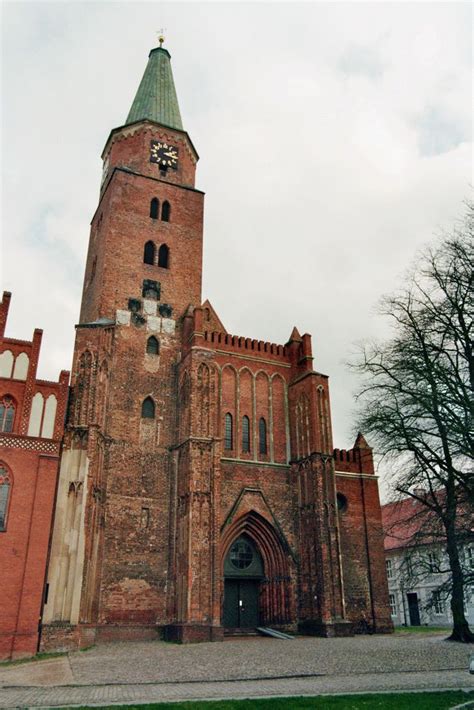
x,y
199,489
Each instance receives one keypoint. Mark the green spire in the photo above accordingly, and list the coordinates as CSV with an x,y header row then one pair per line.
x,y
156,96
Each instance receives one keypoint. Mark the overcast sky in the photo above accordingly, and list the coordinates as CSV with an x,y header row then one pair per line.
x,y
334,142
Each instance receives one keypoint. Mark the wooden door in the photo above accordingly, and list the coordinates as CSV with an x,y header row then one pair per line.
x,y
240,603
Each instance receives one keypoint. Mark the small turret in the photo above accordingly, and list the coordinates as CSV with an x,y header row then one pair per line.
x,y
295,336
293,346
360,442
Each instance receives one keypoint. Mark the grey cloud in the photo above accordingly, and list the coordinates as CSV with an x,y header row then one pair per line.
x,y
438,133
365,61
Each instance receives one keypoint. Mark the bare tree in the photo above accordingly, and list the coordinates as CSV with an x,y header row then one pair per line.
x,y
417,397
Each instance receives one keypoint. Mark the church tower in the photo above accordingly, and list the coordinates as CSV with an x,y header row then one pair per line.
x,y
199,490
110,552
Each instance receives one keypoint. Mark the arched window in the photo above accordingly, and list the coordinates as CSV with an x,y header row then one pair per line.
x,y
152,346
5,484
149,253
6,363
165,211
20,371
341,502
7,413
36,415
245,434
154,208
148,408
228,432
49,418
243,559
163,256
262,436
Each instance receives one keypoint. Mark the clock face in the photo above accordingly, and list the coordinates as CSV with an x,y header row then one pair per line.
x,y
164,154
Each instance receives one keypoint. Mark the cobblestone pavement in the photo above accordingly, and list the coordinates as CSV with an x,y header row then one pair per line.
x,y
155,671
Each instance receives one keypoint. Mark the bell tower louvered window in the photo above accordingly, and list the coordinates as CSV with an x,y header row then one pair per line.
x,y
163,256
149,253
166,211
155,208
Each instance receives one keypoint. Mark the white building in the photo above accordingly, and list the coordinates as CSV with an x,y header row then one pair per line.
x,y
416,570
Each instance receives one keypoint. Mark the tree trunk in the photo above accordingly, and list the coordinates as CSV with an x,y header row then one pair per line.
x,y
461,631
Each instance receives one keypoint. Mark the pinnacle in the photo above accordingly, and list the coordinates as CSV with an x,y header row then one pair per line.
x,y
360,442
295,335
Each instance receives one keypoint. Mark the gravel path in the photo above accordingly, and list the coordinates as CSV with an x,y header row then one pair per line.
x,y
152,671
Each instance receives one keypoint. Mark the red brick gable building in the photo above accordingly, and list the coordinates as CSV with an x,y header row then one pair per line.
x,y
199,489
32,415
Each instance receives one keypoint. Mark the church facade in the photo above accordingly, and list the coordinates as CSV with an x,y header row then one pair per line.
x,y
199,491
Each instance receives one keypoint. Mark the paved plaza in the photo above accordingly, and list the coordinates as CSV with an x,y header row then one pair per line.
x,y
253,667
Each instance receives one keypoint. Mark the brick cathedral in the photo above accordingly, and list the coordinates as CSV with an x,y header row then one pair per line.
x,y
198,490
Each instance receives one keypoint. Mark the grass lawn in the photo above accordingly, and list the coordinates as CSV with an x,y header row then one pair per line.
x,y
385,701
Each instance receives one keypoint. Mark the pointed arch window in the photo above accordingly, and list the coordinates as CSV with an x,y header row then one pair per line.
x,y
166,211
228,432
148,408
154,208
245,435
152,346
149,253
163,256
262,436
7,414
5,485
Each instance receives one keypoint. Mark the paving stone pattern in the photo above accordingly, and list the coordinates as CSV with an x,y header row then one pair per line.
x,y
150,672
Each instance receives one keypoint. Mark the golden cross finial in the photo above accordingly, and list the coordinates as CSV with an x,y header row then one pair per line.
x,y
161,37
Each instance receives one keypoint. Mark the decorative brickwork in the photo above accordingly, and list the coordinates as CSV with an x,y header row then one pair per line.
x,y
29,444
